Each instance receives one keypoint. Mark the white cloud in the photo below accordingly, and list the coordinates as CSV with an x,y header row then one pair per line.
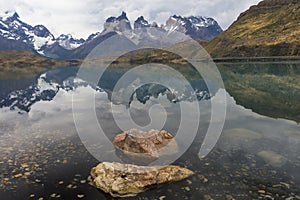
x,y
81,18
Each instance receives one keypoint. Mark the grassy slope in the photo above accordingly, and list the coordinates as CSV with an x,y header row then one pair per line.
x,y
15,64
269,29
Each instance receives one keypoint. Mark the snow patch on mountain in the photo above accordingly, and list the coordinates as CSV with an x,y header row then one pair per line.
x,y
13,28
68,42
198,27
37,38
8,14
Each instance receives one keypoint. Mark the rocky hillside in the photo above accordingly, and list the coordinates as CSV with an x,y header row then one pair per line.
x,y
270,28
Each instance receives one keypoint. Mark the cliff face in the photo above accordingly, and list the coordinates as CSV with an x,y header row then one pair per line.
x,y
270,28
197,27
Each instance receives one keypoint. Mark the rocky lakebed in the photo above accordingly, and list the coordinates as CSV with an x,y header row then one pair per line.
x,y
44,157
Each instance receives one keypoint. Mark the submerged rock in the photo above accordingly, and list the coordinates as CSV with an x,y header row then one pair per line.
x,y
242,134
122,180
141,143
272,158
293,136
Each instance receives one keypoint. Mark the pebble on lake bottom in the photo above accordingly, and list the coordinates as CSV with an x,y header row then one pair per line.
x,y
83,181
19,167
162,197
261,191
18,175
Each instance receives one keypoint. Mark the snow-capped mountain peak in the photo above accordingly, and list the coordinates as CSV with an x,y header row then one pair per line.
x,y
12,28
42,31
92,36
117,24
141,23
37,38
123,16
201,21
68,42
9,14
18,35
198,27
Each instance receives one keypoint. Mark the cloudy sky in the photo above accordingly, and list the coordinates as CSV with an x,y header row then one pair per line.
x,y
81,18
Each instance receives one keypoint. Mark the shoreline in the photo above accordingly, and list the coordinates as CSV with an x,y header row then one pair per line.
x,y
257,59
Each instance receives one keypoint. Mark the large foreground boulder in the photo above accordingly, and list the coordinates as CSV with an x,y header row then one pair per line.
x,y
123,180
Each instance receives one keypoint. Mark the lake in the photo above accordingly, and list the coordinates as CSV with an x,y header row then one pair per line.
x,y
50,139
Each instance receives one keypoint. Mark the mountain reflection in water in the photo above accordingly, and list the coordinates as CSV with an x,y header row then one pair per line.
x,y
256,156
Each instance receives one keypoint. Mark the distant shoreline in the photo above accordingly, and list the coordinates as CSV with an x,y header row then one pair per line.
x,y
257,59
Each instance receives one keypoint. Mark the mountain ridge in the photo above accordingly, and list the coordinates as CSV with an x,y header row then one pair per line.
x,y
18,35
270,28
34,38
197,27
